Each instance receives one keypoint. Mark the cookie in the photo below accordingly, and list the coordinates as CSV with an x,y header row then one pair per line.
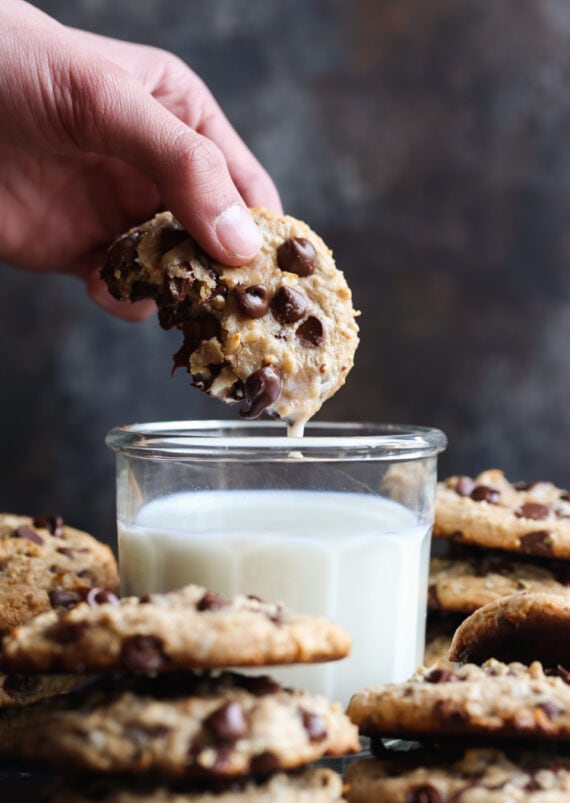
x,y
17,690
472,577
45,564
187,629
507,701
476,775
490,511
277,334
523,627
187,725
439,634
312,785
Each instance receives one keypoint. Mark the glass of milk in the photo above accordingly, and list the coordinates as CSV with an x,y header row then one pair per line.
x,y
336,523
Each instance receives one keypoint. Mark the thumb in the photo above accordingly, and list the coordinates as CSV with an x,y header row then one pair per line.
x,y
107,111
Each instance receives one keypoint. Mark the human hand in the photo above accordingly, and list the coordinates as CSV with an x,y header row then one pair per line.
x,y
96,134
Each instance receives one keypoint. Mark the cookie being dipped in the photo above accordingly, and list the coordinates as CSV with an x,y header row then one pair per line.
x,y
278,334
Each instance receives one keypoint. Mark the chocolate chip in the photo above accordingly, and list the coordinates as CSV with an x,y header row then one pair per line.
x,y
532,510
565,496
523,486
120,259
18,686
51,522
563,673
101,596
452,713
4,563
69,553
253,300
289,305
483,493
227,723
550,708
258,685
28,534
143,654
262,388
297,255
463,486
212,602
170,238
263,764
63,599
314,724
426,793
538,542
310,333
432,599
440,676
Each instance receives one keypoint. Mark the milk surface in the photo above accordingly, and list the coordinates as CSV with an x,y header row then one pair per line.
x,y
358,559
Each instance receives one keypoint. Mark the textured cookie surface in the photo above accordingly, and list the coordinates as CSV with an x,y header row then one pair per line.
x,y
478,776
313,785
523,627
471,577
187,725
187,629
532,518
509,701
45,564
278,334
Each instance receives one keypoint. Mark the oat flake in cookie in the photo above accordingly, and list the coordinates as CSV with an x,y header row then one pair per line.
x,y
45,564
488,510
277,335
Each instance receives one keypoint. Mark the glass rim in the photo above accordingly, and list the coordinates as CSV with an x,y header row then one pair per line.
x,y
267,440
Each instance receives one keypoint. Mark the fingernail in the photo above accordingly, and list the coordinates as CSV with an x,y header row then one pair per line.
x,y
237,232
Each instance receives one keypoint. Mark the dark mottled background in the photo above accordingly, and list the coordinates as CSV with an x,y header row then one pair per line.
x,y
429,143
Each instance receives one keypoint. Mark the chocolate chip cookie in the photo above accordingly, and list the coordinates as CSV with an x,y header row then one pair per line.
x,y
507,701
471,577
476,775
312,785
278,334
523,627
187,725
187,629
45,564
490,511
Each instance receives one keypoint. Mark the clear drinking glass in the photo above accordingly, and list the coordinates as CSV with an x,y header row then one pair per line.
x,y
336,523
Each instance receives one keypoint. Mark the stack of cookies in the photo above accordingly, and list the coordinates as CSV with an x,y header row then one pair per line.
x,y
492,539
164,719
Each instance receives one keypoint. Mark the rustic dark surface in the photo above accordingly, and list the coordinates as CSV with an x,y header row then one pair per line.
x,y
429,143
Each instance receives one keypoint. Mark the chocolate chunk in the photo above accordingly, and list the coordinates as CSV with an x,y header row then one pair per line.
x,y
170,238
143,654
69,553
100,596
227,723
289,305
195,331
314,724
426,793
463,486
538,542
310,333
262,388
51,522
483,493
120,259
253,300
263,764
19,686
440,676
523,486
297,255
565,496
533,510
212,602
28,534
452,713
63,599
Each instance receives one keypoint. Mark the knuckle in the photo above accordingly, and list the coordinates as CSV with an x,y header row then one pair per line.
x,y
202,157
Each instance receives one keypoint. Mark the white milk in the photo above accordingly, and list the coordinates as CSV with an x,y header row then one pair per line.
x,y
358,559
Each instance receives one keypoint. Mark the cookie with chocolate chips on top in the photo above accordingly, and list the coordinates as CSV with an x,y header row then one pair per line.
x,y
489,511
278,334
46,564
186,725
187,629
